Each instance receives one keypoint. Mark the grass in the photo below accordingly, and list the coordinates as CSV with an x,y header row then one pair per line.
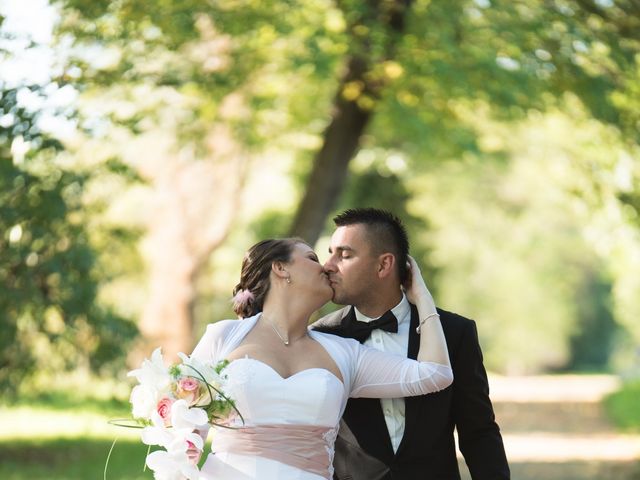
x,y
72,459
78,392
61,401
62,432
623,406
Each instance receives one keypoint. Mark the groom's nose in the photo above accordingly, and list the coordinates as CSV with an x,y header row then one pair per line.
x,y
329,265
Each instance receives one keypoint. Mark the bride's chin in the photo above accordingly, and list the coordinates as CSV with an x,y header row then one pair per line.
x,y
323,297
329,293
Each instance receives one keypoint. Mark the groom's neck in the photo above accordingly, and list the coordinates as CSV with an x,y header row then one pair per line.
x,y
380,302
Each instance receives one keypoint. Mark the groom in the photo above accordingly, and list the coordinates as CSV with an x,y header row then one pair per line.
x,y
410,438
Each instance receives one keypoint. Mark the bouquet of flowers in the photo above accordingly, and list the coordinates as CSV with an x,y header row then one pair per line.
x,y
172,405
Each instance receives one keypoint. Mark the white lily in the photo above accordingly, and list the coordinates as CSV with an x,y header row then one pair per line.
x,y
188,418
174,463
153,373
207,370
158,434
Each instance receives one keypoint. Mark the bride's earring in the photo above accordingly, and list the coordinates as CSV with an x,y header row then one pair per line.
x,y
289,280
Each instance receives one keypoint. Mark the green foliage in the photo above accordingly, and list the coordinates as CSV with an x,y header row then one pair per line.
x,y
377,186
270,71
533,248
622,406
523,216
204,53
507,57
593,341
377,189
50,314
446,59
271,224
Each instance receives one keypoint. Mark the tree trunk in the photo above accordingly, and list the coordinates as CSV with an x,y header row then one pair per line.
x,y
341,139
349,121
195,202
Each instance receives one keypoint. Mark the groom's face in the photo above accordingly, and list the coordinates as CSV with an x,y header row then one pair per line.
x,y
351,266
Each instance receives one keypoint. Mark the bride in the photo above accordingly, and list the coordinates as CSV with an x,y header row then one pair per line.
x,y
290,383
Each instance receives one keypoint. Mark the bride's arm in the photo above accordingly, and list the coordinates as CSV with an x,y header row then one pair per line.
x,y
385,375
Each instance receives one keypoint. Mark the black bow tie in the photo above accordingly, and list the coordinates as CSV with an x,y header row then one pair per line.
x,y
361,331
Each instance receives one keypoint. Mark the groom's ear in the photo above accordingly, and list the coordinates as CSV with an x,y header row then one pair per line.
x,y
386,264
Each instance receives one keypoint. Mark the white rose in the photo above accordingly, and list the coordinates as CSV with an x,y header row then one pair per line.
x,y
143,401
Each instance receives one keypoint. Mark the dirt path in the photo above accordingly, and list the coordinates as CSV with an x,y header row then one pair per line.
x,y
554,428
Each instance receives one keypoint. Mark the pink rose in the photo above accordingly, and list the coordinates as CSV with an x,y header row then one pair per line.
x,y
188,388
164,409
189,384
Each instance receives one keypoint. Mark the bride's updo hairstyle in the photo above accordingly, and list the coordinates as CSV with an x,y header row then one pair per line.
x,y
250,292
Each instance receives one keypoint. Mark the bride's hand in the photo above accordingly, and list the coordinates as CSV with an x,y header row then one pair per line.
x,y
416,290
193,454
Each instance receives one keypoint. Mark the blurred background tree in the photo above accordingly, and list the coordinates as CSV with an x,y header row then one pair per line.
x,y
532,247
505,134
414,69
51,320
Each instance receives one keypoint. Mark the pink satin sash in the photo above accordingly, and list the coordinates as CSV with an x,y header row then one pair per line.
x,y
307,447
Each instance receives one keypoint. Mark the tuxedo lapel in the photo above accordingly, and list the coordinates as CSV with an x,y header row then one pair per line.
x,y
414,338
411,404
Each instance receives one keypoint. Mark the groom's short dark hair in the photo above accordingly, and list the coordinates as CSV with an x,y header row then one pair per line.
x,y
385,232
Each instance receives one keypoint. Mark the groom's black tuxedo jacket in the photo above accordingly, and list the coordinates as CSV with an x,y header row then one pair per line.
x,y
427,450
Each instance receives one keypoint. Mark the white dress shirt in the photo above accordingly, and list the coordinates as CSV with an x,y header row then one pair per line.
x,y
392,408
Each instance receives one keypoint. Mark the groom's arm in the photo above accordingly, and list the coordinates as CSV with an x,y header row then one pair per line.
x,y
478,433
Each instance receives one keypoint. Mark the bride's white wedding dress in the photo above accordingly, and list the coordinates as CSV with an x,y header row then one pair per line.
x,y
290,424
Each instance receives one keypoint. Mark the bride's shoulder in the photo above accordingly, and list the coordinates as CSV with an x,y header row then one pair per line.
x,y
226,328
222,327
336,340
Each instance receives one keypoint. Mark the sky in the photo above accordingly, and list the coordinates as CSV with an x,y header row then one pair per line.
x,y
31,59
27,19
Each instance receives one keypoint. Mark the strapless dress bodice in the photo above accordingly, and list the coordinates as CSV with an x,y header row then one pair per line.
x,y
311,397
